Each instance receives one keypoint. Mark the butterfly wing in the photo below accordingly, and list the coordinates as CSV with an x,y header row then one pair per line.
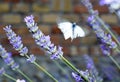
x,y
78,32
66,28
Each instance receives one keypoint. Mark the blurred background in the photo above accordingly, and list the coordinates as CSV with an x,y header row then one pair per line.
x,y
12,12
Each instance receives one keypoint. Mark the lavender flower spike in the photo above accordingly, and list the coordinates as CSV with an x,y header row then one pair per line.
x,y
77,77
31,59
8,59
42,40
15,41
92,69
104,37
113,5
2,71
86,74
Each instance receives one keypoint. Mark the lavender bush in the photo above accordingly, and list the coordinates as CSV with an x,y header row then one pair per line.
x,y
55,53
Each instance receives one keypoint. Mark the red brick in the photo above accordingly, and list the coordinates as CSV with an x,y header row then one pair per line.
x,y
56,39
109,18
21,30
36,51
1,29
49,18
76,1
14,1
11,18
80,9
76,41
71,17
45,29
44,1
116,29
36,7
66,50
37,17
89,40
4,41
15,53
28,40
55,30
101,9
20,7
66,42
29,1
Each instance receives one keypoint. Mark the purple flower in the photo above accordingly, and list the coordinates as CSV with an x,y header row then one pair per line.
x,y
37,34
3,52
42,40
77,77
106,40
104,37
108,2
15,41
57,54
14,66
113,5
29,20
105,49
2,71
103,2
31,59
92,69
86,74
23,51
8,59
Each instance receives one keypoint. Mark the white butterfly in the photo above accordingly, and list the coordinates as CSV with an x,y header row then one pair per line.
x,y
70,30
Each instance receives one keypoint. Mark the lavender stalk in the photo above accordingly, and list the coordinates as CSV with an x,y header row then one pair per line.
x,y
113,5
89,6
2,72
92,69
104,38
18,45
45,43
10,62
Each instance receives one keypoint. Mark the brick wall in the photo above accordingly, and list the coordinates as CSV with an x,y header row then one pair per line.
x,y
45,12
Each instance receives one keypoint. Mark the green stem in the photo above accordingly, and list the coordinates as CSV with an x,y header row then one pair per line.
x,y
63,70
117,50
41,68
115,62
24,75
8,76
73,68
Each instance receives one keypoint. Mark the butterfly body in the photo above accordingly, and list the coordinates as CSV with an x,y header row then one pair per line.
x,y
71,30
